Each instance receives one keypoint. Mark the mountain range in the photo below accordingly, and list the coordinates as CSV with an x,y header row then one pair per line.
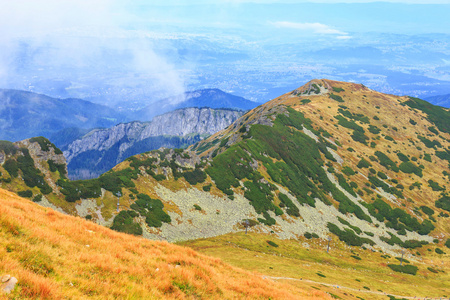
x,y
99,150
212,98
25,114
441,100
328,161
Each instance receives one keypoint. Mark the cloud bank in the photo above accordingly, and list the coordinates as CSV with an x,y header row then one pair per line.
x,y
84,44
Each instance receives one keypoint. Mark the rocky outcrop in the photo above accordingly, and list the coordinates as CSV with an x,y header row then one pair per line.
x,y
175,129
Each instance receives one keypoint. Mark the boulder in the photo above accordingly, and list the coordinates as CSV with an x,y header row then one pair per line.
x,y
8,283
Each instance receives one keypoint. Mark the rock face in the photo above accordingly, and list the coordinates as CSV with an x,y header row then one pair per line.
x,y
101,149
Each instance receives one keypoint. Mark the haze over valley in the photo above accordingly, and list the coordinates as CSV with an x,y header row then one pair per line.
x,y
225,149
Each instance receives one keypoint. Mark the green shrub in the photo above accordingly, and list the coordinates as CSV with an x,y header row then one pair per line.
x,y
151,209
433,130
439,251
194,177
292,209
374,129
404,260
409,167
360,137
348,171
427,210
408,269
343,183
338,89
305,101
402,157
412,122
8,147
273,244
350,115
45,144
363,164
25,194
336,97
435,186
12,167
355,257
428,143
268,220
447,243
443,202
124,222
197,207
207,187
348,236
37,198
386,161
61,168
382,175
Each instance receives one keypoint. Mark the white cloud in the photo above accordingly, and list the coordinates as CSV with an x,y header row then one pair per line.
x,y
313,27
77,39
343,37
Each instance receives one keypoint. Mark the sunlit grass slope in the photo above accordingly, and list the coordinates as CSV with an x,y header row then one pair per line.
x,y
55,256
345,272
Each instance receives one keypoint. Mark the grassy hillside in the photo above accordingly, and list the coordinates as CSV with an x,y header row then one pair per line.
x,y
305,263
328,158
56,256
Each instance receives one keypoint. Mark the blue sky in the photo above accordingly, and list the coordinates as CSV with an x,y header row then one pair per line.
x,y
139,49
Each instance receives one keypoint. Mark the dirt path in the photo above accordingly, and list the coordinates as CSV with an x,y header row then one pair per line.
x,y
352,289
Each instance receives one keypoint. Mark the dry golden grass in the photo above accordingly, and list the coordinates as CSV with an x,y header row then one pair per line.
x,y
293,260
56,256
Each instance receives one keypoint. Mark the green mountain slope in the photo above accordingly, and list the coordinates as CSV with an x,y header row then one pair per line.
x,y
329,157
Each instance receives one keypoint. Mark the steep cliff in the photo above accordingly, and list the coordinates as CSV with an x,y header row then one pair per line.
x,y
101,149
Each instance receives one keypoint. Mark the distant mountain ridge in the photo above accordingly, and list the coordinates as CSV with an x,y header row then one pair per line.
x,y
101,149
441,100
25,114
212,98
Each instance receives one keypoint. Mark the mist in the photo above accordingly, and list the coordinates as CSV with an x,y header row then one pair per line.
x,y
85,49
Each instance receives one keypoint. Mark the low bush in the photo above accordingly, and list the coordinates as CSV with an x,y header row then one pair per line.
x,y
336,97
273,244
124,222
207,187
363,164
408,269
348,236
25,194
439,251
37,198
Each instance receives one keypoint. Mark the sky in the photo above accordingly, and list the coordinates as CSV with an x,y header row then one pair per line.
x,y
134,49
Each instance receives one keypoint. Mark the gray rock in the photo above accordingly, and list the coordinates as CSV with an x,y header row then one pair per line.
x,y
8,284
184,123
